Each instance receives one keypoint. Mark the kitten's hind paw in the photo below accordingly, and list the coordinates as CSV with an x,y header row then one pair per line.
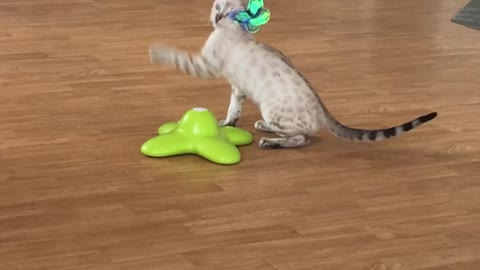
x,y
262,126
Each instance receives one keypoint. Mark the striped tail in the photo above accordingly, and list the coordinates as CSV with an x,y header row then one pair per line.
x,y
194,65
340,130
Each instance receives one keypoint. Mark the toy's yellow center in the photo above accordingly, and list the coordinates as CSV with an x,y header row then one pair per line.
x,y
199,122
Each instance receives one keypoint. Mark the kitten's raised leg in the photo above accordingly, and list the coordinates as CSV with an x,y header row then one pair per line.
x,y
194,65
235,108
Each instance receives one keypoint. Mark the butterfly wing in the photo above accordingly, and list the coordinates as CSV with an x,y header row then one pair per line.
x,y
254,6
242,17
261,19
252,28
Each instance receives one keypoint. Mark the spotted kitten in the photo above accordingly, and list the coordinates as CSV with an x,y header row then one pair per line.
x,y
289,104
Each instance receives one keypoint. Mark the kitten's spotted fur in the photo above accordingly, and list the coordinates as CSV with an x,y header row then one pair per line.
x,y
289,104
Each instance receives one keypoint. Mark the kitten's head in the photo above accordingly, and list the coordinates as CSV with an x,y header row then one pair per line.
x,y
221,8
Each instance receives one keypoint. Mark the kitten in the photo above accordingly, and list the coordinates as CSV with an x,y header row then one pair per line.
x,y
288,103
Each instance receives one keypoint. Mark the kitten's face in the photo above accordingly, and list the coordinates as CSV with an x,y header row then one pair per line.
x,y
220,9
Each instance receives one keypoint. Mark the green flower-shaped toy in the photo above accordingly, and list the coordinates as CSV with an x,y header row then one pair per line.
x,y
198,133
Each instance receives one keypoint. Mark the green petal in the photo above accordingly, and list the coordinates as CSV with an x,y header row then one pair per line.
x,y
167,145
237,136
218,151
167,127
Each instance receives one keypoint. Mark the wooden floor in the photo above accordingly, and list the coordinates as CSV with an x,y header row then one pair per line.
x,y
79,97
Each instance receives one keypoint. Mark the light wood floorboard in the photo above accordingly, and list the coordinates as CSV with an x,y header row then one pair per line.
x,y
78,98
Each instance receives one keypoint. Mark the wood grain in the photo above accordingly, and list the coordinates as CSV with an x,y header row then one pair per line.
x,y
79,97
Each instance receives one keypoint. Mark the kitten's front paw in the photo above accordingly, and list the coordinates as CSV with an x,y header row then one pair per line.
x,y
224,123
150,55
157,53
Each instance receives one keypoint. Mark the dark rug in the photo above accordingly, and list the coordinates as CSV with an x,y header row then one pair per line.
x,y
469,16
